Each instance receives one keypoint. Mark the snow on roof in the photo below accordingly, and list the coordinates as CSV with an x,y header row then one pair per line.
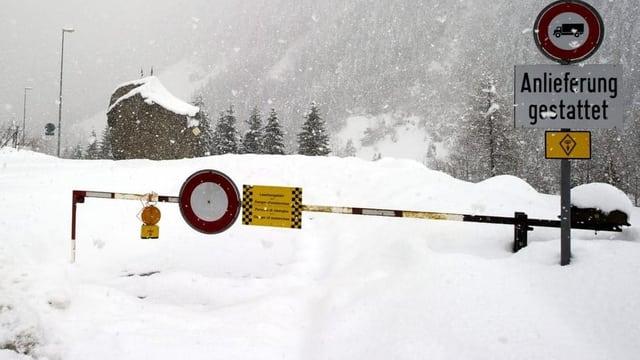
x,y
153,92
601,196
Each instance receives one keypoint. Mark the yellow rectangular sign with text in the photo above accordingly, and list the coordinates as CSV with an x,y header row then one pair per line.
x,y
568,145
274,206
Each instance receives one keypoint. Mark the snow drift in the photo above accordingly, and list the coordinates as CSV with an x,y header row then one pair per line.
x,y
343,287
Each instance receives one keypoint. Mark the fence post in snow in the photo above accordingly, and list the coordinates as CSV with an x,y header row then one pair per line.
x,y
521,228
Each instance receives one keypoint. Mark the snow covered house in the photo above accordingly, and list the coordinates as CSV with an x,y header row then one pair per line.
x,y
148,122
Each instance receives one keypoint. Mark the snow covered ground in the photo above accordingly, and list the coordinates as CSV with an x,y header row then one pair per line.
x,y
343,287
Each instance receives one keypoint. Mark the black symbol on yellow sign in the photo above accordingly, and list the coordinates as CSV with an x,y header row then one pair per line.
x,y
568,144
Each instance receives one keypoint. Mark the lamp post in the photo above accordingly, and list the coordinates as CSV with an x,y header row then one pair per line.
x,y
24,113
69,30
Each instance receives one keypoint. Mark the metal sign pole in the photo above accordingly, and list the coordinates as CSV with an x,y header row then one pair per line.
x,y
566,42
565,211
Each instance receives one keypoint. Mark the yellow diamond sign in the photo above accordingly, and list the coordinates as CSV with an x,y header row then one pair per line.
x,y
568,145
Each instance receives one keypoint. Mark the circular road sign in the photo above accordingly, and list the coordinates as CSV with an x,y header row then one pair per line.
x,y
568,31
49,129
209,201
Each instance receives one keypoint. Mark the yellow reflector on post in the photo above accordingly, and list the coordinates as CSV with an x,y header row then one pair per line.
x,y
150,215
150,232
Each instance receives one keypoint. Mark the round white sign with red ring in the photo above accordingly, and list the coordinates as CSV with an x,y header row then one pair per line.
x,y
568,31
209,201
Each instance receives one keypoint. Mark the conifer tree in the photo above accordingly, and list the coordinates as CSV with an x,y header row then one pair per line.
x,y
313,140
272,140
93,152
105,148
77,152
632,158
252,142
349,149
206,136
226,135
486,145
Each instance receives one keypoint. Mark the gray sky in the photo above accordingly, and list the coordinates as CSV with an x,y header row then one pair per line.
x,y
113,40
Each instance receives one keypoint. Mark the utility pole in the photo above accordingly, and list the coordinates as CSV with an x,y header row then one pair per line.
x,y
69,30
24,113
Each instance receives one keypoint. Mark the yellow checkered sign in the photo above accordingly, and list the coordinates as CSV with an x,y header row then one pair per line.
x,y
272,206
568,145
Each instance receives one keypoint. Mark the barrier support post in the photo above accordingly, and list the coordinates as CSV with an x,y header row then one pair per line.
x,y
521,229
77,197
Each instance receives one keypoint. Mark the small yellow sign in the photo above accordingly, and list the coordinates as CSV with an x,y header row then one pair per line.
x,y
149,232
568,145
272,206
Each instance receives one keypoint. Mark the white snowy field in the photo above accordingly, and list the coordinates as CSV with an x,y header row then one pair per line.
x,y
343,287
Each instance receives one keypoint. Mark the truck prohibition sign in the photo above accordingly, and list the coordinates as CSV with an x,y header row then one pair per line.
x,y
569,29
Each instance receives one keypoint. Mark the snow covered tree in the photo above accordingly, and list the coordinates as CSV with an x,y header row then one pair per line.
x,y
252,142
632,157
105,148
226,135
77,153
377,132
206,136
607,164
541,173
93,151
486,145
431,159
313,140
273,136
349,149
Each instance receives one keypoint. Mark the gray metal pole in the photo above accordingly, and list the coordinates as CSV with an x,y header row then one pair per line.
x,y
24,114
60,97
565,213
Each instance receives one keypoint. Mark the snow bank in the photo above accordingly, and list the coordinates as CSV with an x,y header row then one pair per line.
x,y
342,287
19,329
153,92
601,196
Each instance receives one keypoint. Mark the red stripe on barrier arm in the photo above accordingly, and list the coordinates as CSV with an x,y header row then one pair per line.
x,y
77,197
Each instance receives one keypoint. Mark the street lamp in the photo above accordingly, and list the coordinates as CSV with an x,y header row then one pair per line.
x,y
64,30
24,113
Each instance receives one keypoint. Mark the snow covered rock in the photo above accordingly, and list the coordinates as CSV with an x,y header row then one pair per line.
x,y
153,92
604,197
148,122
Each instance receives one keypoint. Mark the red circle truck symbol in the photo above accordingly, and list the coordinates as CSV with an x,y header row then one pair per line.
x,y
568,31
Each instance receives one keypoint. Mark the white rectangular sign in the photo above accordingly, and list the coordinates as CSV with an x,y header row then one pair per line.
x,y
568,96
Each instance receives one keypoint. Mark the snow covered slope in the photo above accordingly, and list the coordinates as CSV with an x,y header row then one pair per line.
x,y
394,135
343,287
